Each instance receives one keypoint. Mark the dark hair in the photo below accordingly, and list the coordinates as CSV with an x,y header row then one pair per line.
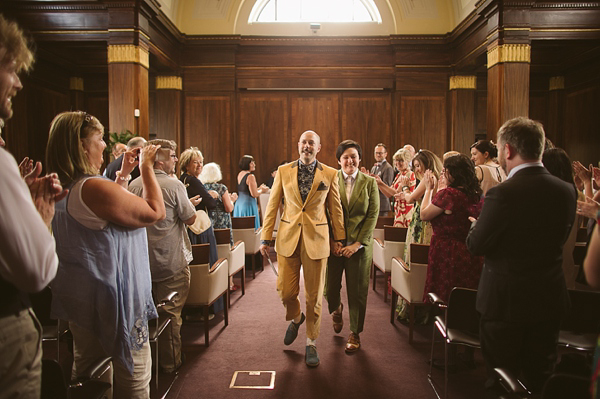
x,y
484,146
245,162
558,163
344,145
463,175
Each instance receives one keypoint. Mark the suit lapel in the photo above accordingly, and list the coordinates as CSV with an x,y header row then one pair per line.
x,y
358,187
293,178
316,181
342,188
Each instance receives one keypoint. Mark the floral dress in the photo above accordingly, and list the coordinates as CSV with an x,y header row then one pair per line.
x,y
218,216
403,211
450,263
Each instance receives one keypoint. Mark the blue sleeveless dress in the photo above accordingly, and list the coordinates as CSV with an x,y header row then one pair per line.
x,y
246,204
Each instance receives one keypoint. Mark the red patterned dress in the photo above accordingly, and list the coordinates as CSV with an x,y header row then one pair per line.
x,y
450,262
402,211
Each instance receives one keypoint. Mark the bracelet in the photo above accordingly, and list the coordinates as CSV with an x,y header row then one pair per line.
x,y
119,177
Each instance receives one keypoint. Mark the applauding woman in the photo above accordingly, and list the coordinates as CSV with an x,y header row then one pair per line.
x,y
248,190
103,285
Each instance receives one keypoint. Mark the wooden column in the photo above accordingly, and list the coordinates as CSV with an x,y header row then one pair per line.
x,y
508,84
167,109
128,88
556,110
463,110
77,94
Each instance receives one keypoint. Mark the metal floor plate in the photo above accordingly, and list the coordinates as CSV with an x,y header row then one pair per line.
x,y
253,380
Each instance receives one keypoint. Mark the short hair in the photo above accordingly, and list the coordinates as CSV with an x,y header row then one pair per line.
x,y
186,157
245,162
136,142
463,175
449,154
65,155
402,154
430,161
14,45
164,144
558,163
211,173
344,145
382,145
525,136
484,146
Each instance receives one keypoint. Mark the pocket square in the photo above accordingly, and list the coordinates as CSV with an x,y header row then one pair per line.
x,y
322,187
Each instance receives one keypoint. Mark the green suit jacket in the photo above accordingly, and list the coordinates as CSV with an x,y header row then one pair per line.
x,y
361,213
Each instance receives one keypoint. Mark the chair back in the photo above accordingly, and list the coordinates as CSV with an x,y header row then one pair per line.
x,y
223,236
206,283
200,253
419,253
392,233
584,316
461,313
381,222
243,222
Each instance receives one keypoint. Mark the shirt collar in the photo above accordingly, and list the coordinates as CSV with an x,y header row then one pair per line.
x,y
353,175
523,166
310,165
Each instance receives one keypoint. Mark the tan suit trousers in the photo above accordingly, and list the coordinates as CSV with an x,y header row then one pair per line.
x,y
288,287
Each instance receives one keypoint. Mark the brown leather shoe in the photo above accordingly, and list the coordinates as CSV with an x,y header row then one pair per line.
x,y
338,320
353,343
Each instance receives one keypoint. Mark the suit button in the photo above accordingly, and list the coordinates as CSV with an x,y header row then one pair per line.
x,y
303,209
299,224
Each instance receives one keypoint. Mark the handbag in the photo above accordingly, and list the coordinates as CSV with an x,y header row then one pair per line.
x,y
201,224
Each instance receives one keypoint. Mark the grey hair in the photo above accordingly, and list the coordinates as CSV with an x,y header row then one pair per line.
x,y
211,173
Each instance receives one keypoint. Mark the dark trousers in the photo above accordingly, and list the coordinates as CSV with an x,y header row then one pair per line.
x,y
526,349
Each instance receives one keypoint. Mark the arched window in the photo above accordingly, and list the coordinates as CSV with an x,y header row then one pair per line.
x,y
269,11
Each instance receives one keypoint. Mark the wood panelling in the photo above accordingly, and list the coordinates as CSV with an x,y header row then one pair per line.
x,y
209,126
508,94
128,91
167,114
264,132
422,122
582,124
320,113
209,79
366,119
462,119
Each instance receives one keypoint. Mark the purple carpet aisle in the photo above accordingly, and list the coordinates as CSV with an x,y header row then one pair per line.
x,y
386,366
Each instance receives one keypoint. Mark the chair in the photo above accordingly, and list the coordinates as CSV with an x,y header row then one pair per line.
x,y
235,256
87,386
263,201
409,283
580,328
157,326
558,386
460,326
243,230
383,252
52,329
381,222
207,284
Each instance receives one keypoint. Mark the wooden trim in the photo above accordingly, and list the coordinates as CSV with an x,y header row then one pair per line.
x,y
127,53
509,53
76,83
463,82
169,83
556,83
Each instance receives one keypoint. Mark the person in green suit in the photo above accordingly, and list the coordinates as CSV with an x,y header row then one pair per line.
x,y
360,202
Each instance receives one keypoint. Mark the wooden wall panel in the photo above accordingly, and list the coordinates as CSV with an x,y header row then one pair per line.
x,y
208,126
462,119
320,113
423,122
97,105
209,79
167,114
582,125
366,119
263,133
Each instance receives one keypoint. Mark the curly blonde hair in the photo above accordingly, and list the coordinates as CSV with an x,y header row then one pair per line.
x,y
186,157
14,45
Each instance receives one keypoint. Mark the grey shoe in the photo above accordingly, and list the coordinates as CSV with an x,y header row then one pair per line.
x,y
292,331
312,357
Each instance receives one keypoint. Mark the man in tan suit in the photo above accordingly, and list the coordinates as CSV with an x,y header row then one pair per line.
x,y
310,190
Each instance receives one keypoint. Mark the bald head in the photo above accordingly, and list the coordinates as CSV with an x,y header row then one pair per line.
x,y
309,146
410,149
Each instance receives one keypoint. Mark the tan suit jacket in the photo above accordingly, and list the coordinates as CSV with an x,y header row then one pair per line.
x,y
310,218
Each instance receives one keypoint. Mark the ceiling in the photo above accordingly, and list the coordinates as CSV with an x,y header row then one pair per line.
x,y
402,17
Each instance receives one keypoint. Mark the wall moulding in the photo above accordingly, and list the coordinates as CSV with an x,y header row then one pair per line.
x,y
128,53
509,53
556,83
76,83
463,82
169,83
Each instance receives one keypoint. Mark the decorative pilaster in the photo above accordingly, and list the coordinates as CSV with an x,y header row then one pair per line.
x,y
556,83
463,82
76,92
508,53
169,83
462,112
167,115
128,53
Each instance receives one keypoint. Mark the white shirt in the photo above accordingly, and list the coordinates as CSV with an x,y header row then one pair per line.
x,y
523,166
27,249
351,187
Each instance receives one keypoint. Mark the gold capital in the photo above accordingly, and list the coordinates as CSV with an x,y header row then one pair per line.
x,y
557,83
463,82
128,53
509,53
76,84
169,83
